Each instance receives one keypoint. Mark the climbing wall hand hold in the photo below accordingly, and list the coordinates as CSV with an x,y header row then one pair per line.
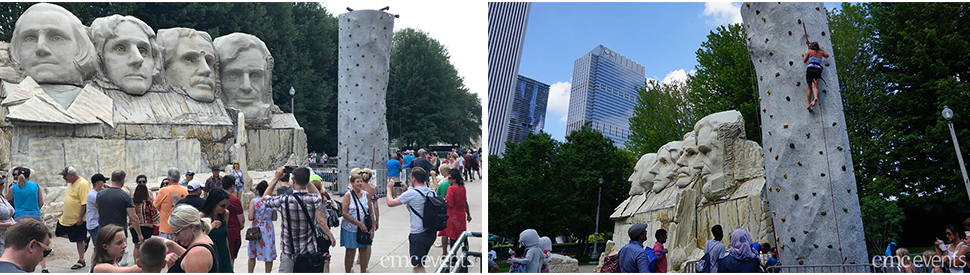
x,y
846,210
786,176
763,20
823,213
769,133
769,149
816,245
839,147
789,32
777,189
777,74
801,261
843,167
782,219
796,197
771,116
769,92
771,53
799,163
792,239
834,123
764,110
766,40
785,126
808,135
823,174
791,145
788,98
776,156
759,60
799,21
813,193
819,152
762,78
805,231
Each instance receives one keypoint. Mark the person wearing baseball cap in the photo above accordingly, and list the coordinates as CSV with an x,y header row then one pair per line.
x,y
632,257
195,194
72,223
214,182
91,211
189,176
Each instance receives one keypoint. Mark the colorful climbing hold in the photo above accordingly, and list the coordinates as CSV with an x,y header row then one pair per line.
x,y
782,219
823,212
777,74
785,126
776,156
786,176
766,40
801,261
771,53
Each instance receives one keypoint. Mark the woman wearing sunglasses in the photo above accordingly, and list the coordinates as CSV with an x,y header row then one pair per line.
x,y
954,254
189,229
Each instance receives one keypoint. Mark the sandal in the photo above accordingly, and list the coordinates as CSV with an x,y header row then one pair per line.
x,y
78,265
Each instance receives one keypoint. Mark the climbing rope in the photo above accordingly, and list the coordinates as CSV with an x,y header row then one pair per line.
x,y
828,166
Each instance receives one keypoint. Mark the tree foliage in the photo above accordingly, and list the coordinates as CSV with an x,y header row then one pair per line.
x,y
883,220
725,78
662,114
427,99
552,187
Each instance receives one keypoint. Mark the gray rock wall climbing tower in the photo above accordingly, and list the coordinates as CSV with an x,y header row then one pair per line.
x,y
811,188
364,58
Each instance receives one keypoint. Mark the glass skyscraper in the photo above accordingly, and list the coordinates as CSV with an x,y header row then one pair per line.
x,y
604,93
507,22
528,108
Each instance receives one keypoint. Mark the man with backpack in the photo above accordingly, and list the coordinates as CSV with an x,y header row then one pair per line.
x,y
657,256
714,251
428,216
632,257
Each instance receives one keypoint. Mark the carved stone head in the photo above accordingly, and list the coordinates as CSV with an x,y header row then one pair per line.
x,y
246,68
641,181
130,58
713,131
685,164
665,168
190,62
50,45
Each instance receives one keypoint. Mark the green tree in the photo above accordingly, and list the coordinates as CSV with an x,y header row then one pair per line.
x,y
883,220
662,114
427,99
725,78
523,192
584,158
921,58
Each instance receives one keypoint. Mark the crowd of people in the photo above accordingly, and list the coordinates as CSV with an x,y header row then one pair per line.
x,y
195,227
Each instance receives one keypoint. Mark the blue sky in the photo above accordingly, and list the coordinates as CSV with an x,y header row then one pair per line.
x,y
662,37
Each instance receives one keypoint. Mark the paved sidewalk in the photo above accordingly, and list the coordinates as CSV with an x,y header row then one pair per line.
x,y
389,252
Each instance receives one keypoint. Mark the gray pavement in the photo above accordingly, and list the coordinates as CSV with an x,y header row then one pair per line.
x,y
389,252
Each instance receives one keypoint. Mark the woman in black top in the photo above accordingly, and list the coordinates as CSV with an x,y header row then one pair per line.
x,y
191,230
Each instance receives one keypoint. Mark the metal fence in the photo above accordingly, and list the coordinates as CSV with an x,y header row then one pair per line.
x,y
876,267
456,260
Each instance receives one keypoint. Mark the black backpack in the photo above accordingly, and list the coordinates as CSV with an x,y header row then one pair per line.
x,y
435,216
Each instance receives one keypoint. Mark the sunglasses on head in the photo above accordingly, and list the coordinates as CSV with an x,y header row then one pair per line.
x,y
47,249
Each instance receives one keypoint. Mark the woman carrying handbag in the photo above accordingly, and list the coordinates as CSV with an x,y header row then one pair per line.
x,y
356,229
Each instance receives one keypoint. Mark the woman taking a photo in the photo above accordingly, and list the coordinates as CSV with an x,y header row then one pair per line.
x,y
189,229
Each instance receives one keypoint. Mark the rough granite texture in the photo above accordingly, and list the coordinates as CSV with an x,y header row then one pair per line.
x,y
807,160
364,60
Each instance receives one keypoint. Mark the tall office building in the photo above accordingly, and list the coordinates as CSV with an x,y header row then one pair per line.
x,y
528,108
506,34
604,93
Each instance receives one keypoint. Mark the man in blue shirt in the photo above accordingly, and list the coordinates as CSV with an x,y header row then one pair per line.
x,y
27,243
632,257
394,175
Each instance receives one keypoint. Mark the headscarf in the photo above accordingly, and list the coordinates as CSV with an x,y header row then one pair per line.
x,y
546,244
741,245
529,237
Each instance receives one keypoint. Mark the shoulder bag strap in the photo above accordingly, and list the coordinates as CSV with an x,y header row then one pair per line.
x,y
359,206
307,214
289,223
415,211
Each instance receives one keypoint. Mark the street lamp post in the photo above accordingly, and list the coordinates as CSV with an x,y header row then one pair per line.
x,y
292,94
596,234
948,115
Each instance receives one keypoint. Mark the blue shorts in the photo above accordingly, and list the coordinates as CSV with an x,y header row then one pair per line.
x,y
348,239
239,188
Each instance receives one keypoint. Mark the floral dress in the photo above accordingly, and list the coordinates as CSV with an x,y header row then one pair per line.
x,y
6,215
265,248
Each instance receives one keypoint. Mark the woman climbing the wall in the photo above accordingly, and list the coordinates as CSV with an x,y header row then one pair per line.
x,y
813,71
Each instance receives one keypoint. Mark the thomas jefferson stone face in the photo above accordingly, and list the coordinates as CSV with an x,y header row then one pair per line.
x,y
685,168
128,59
191,66
664,170
710,159
48,47
244,83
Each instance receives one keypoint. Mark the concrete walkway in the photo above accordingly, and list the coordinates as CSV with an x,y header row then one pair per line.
x,y
389,252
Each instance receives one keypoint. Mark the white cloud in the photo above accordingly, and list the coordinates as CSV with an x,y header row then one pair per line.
x,y
677,76
722,13
558,103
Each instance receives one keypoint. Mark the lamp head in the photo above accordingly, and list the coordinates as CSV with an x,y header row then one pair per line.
x,y
947,113
292,91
